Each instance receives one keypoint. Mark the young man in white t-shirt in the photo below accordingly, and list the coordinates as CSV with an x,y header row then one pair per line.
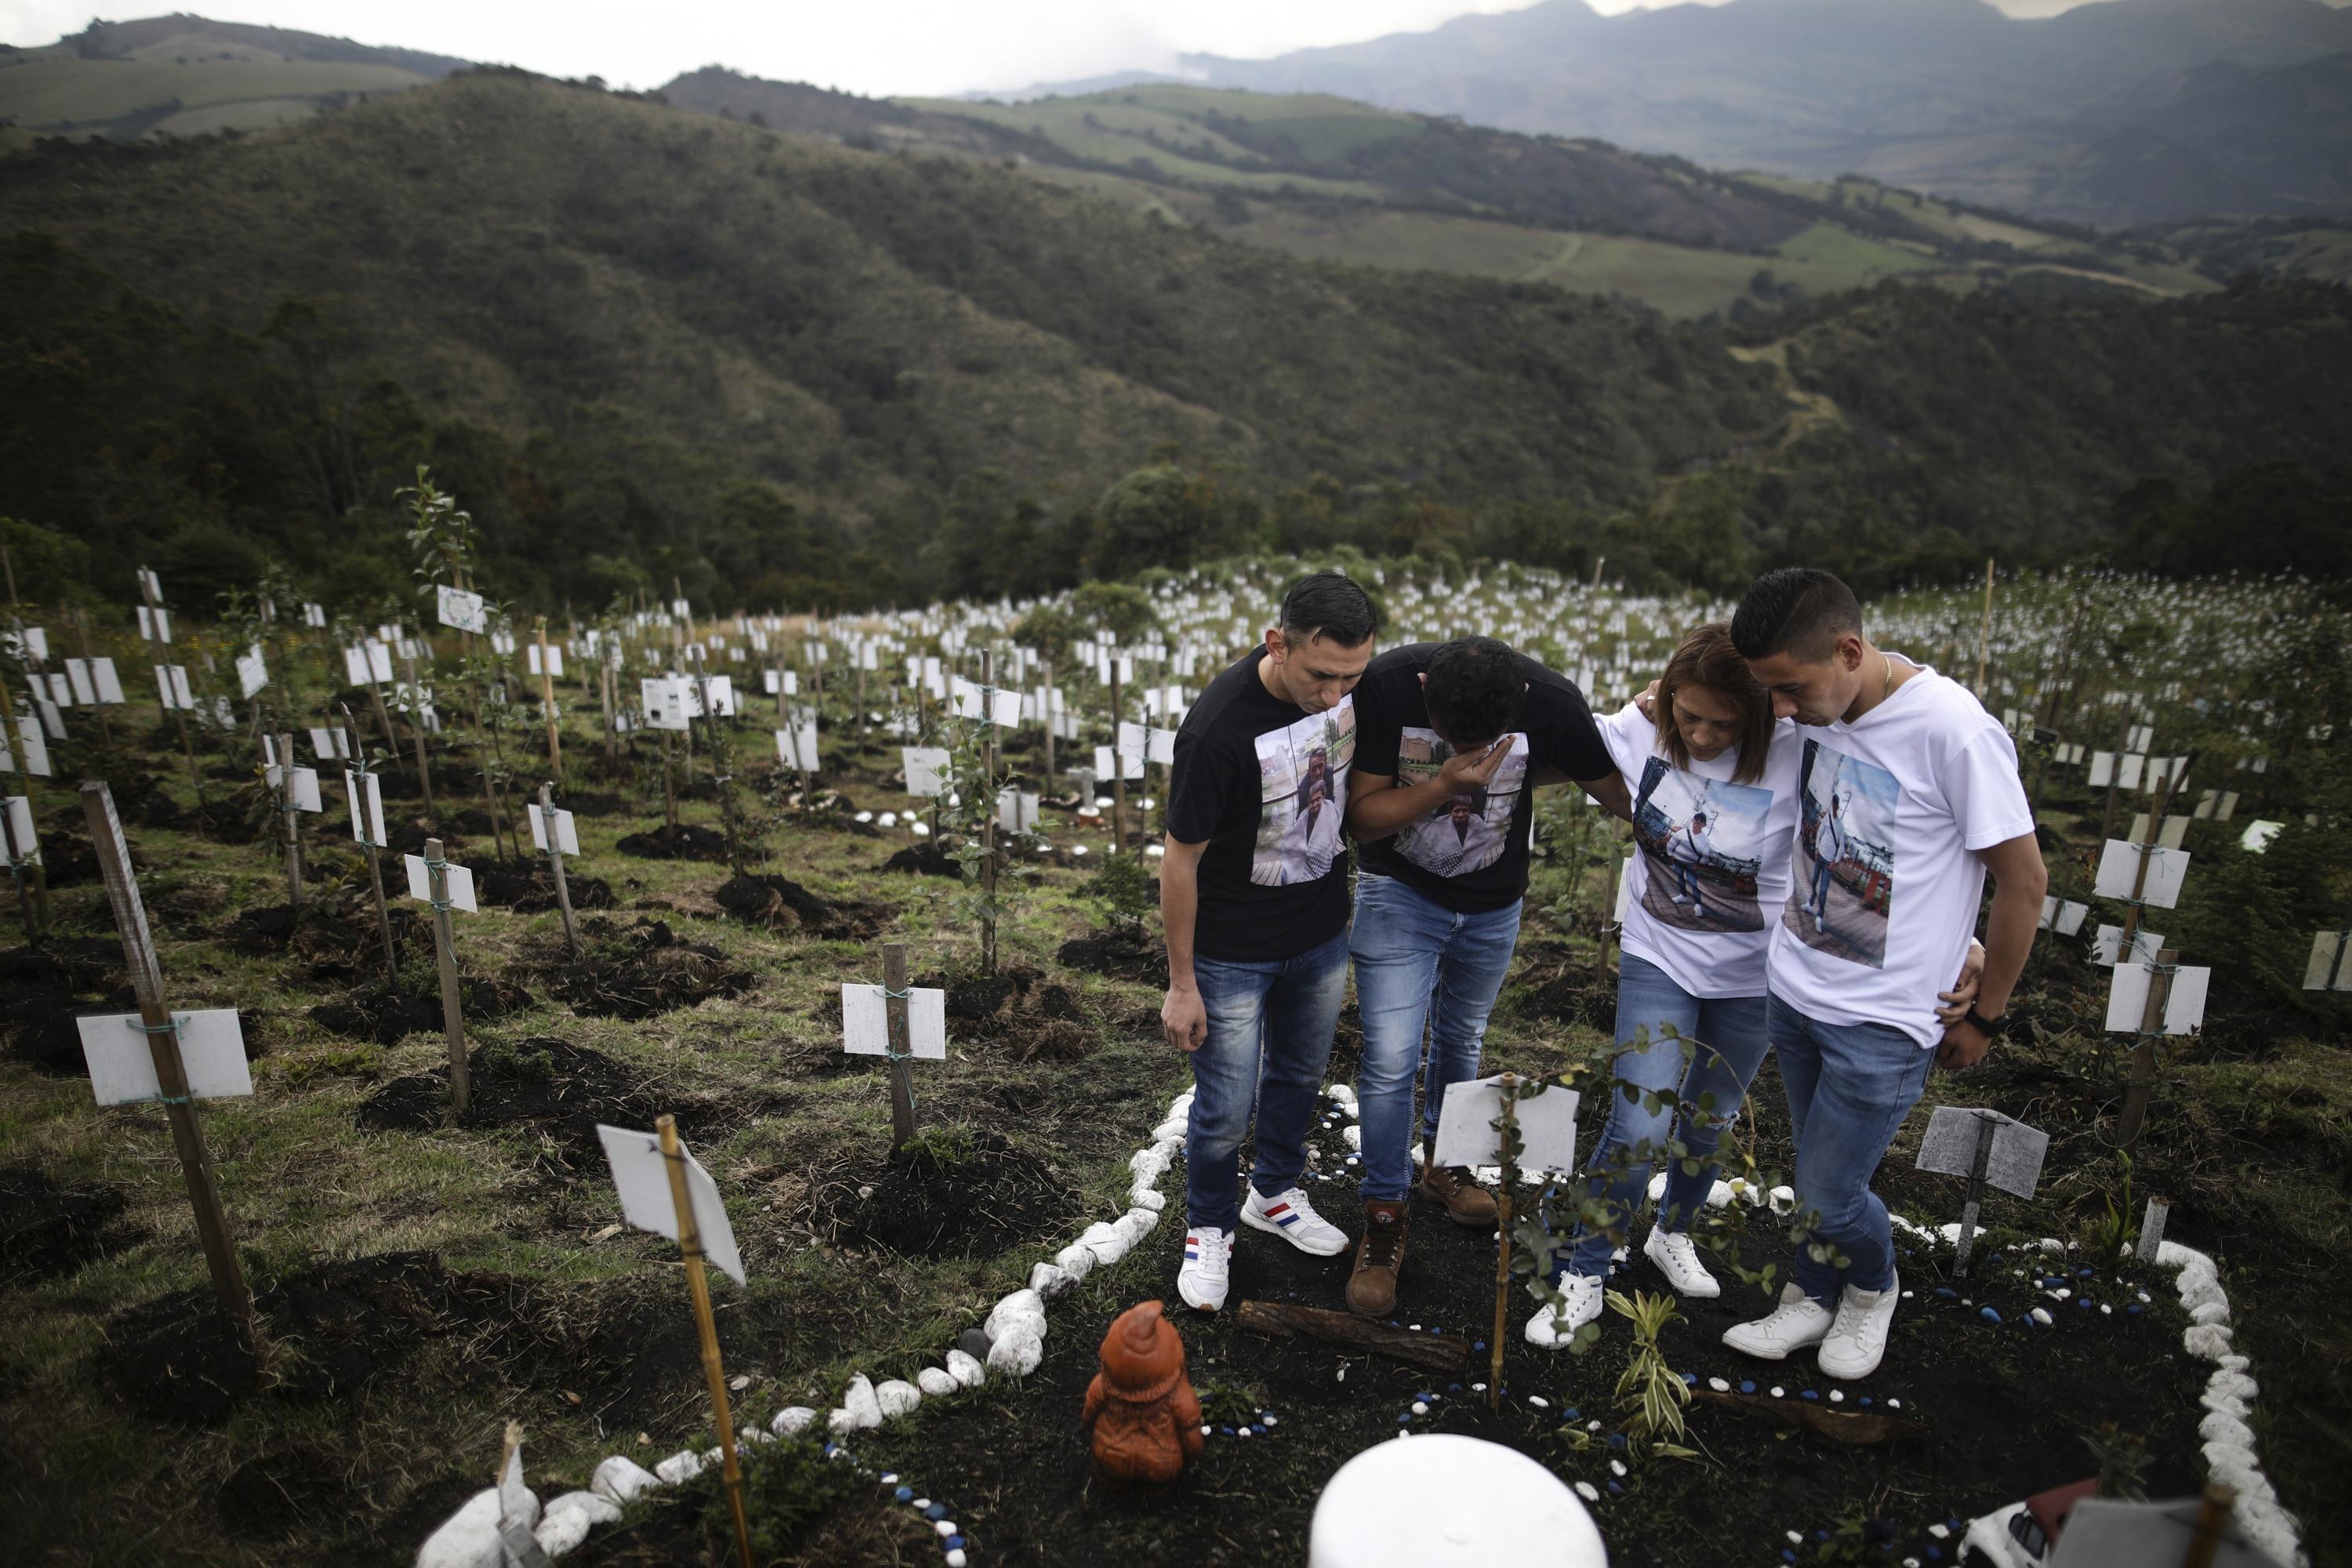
x,y
1907,796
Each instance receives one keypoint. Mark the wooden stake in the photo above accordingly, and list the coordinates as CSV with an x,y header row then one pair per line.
x,y
988,815
163,1042
720,780
1046,704
1984,638
2212,1513
371,825
547,701
2142,1086
453,1022
1118,767
689,1247
2157,806
1974,1203
293,823
1503,1243
669,793
555,864
416,733
902,1081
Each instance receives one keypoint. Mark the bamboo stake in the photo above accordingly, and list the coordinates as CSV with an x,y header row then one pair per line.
x,y
163,1042
1503,1243
293,822
987,813
555,864
902,1082
689,1247
372,827
2142,1086
1118,766
1046,704
416,733
453,1022
547,700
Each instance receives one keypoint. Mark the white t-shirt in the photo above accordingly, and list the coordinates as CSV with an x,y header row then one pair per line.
x,y
1921,782
1710,868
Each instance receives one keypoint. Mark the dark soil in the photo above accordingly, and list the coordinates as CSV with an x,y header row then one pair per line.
x,y
1552,982
783,904
1020,1010
980,1197
925,859
68,860
48,1229
557,1090
46,986
870,1528
590,803
277,1493
688,843
332,1330
528,888
646,970
264,928
389,1017
2008,1407
1124,951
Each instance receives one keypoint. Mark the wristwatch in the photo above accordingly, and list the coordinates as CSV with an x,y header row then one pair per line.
x,y
1991,1028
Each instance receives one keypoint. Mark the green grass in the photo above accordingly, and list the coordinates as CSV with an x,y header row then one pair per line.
x,y
51,91
1116,139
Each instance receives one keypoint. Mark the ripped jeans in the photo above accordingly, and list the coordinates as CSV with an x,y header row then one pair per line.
x,y
1734,1027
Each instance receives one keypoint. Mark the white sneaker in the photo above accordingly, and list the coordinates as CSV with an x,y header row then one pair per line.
x,y
1857,1340
1797,1321
1553,1330
1676,1256
1820,925
1680,899
1208,1268
1292,1218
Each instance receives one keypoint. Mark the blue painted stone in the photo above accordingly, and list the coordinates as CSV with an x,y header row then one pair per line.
x,y
1807,1393
1616,1439
1988,1314
936,1511
2133,1308
1616,1488
1935,1554
1570,1413
1405,1419
904,1494
1866,1399
1787,1555
1479,1346
1224,1431
1945,1293
2085,1302
1452,1388
1747,1386
1690,1380
954,1543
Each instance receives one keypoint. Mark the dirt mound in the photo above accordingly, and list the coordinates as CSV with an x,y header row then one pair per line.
x,y
389,1017
330,1328
528,888
1122,951
688,843
649,970
68,859
263,928
954,1192
1017,1008
286,1489
558,1089
591,804
924,859
49,1229
47,986
783,904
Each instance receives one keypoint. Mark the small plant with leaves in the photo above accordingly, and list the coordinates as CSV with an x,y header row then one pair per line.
x,y
2112,1232
1649,1394
2122,1461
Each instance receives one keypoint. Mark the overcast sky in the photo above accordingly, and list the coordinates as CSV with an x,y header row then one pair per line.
x,y
873,47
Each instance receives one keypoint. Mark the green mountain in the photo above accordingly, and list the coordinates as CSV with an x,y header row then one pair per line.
x,y
187,76
640,344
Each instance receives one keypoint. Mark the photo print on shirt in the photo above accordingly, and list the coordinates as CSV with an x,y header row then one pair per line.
x,y
1704,840
1465,833
1844,863
1302,792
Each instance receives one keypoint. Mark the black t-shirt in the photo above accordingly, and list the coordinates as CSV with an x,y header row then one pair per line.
x,y
1471,855
1264,783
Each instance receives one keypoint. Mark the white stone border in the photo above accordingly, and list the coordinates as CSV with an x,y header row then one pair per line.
x,y
2228,1441
1016,1334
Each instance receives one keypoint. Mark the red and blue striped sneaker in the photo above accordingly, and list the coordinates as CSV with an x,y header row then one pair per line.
x,y
1290,1216
1208,1262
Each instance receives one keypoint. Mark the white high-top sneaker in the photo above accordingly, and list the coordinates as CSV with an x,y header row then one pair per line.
x,y
1553,1330
1676,1256
1797,1321
1857,1340
1208,1268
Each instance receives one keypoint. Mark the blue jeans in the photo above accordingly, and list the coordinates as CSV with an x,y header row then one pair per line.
x,y
1849,1086
1270,1029
1698,1097
1419,966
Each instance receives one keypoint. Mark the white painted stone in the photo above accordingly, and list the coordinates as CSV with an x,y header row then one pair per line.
x,y
1050,1280
1171,1128
1139,1222
840,1423
897,1397
623,1479
859,1399
1151,1163
568,1520
2207,1340
1109,1249
2210,1312
966,1369
1352,1135
1588,1492
1101,1230
1340,1094
936,1383
2219,1428
1025,1308
1784,1199
682,1465
1074,1260
792,1419
1147,1197
467,1538
1017,1351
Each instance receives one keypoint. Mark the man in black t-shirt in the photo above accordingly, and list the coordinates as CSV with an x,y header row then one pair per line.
x,y
1254,898
1450,739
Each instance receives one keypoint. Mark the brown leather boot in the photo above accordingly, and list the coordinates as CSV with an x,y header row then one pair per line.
x,y
1371,1288
1466,1203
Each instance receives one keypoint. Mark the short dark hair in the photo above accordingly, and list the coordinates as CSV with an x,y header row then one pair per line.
x,y
1330,605
1477,687
1798,610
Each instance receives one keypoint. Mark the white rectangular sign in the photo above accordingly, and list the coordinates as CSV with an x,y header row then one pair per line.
x,y
420,882
664,702
865,1022
2184,1004
1467,1133
123,1066
2330,968
566,838
1123,764
552,659
927,769
796,746
23,842
2063,916
252,672
330,745
374,814
640,1175
2119,869
460,610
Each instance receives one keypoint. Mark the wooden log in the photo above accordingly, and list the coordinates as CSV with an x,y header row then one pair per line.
x,y
1442,1354
1856,1428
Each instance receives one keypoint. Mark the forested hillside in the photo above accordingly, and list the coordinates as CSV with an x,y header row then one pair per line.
x,y
640,344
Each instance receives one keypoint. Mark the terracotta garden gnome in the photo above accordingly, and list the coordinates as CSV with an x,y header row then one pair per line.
x,y
1145,1416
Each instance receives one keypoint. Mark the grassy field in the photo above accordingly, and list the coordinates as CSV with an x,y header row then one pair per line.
x,y
52,92
1114,137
